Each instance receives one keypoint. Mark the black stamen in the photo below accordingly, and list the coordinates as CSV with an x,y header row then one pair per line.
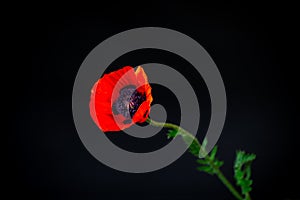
x,y
128,102
136,100
127,121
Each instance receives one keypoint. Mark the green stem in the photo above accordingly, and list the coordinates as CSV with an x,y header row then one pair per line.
x,y
248,197
218,172
226,182
172,126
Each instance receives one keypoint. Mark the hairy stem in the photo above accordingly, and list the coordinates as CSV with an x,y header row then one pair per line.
x,y
225,181
248,197
218,172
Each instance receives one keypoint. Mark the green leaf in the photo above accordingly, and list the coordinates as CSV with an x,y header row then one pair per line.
x,y
239,175
172,133
213,152
202,161
194,148
243,158
204,144
202,151
242,170
206,168
218,163
210,164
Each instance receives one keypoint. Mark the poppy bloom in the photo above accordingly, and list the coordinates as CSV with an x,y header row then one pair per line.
x,y
120,99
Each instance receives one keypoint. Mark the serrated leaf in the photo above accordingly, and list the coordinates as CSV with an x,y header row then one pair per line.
x,y
205,168
249,157
213,152
204,143
194,148
239,175
202,151
218,163
242,170
172,133
202,161
243,158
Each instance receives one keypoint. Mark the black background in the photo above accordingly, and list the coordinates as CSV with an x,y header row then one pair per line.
x,y
252,47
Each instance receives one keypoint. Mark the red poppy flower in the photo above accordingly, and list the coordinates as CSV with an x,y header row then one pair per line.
x,y
120,99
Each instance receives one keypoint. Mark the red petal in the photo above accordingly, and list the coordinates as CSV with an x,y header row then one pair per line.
x,y
141,76
142,113
108,123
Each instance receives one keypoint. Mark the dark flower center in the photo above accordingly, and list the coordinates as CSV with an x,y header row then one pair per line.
x,y
128,102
